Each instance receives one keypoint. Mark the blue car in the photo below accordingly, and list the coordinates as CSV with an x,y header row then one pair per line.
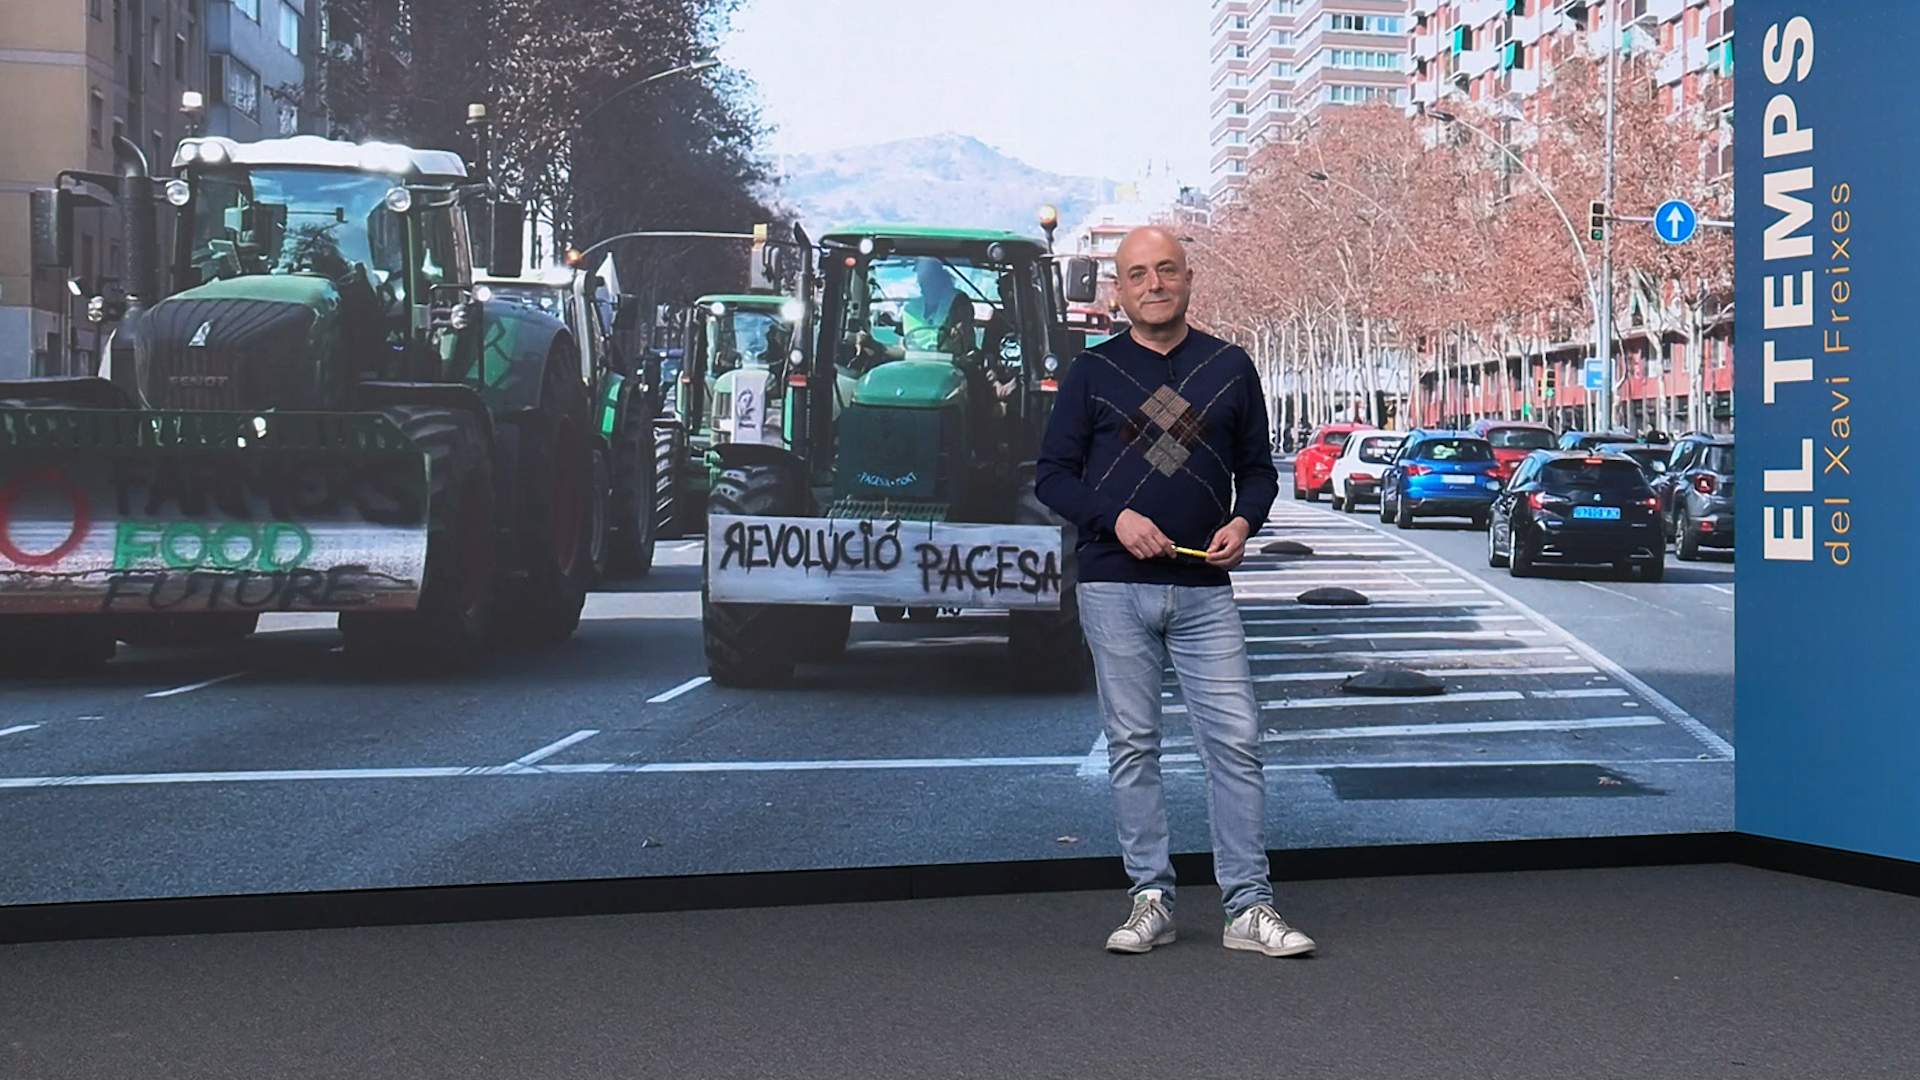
x,y
1440,474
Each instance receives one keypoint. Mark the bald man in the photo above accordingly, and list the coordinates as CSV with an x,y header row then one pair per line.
x,y
1159,439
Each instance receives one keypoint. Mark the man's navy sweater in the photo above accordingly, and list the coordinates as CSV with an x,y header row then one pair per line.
x,y
1181,438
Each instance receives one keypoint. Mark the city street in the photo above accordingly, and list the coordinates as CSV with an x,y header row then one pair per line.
x,y
1575,705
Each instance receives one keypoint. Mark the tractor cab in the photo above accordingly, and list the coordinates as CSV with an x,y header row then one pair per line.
x,y
954,340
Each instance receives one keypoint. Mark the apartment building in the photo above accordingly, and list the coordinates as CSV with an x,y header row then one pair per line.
x,y
1500,53
1277,63
259,54
77,73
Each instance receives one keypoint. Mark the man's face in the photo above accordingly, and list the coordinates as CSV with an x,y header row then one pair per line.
x,y
932,276
1155,283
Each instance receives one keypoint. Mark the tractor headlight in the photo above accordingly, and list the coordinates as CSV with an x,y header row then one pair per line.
x,y
213,153
461,317
179,192
717,309
1050,365
399,200
188,153
792,311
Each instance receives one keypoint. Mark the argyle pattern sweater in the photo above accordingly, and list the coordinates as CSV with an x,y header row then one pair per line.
x,y
1180,438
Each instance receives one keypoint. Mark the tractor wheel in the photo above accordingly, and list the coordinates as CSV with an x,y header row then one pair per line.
x,y
636,491
453,624
751,644
1047,647
823,638
172,631
554,463
600,531
54,644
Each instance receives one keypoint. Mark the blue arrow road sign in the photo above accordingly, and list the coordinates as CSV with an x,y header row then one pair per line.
x,y
1595,378
1675,221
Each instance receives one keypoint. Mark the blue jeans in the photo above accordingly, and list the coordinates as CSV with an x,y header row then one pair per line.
x,y
1133,630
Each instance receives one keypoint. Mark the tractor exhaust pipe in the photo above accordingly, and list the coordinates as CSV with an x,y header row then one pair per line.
x,y
138,220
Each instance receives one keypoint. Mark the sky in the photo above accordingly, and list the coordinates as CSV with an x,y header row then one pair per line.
x,y
1050,82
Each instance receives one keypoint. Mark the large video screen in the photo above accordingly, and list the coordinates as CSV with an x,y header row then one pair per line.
x,y
560,440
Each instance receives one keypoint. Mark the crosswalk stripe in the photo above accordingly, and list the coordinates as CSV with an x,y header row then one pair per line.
x,y
1470,727
1436,672
1385,619
1448,635
1362,701
1406,654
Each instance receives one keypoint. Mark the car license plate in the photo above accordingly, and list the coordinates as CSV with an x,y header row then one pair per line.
x,y
1602,513
1458,478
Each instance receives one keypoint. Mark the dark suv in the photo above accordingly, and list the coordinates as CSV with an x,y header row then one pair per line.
x,y
1696,494
1568,506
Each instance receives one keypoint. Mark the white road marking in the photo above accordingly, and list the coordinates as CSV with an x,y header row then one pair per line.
x,y
1388,635
1441,606
1635,599
691,545
191,687
1095,763
1406,654
1436,672
1470,727
555,747
692,684
1358,701
1728,589
1705,735
434,772
1385,619
1579,692
17,729
1372,594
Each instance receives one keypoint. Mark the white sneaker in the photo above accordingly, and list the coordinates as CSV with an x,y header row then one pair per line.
x,y
1261,929
1150,924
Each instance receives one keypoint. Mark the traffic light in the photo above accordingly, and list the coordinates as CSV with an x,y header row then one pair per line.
x,y
1546,384
1597,220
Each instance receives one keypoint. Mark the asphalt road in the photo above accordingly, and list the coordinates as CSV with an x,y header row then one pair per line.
x,y
1575,706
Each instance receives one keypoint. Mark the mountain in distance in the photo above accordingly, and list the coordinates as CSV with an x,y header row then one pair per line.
x,y
948,179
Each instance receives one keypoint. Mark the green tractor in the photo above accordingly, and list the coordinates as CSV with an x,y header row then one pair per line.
x,y
904,476
737,351
323,415
630,475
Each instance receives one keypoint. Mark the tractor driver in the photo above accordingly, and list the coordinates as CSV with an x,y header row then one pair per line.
x,y
939,319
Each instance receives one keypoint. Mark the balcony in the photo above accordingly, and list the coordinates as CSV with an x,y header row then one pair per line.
x,y
1475,12
1719,26
1528,29
1425,46
1477,62
1426,93
1672,67
1523,81
1666,10
1697,56
1423,8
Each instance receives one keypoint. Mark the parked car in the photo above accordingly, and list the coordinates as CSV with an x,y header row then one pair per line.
x,y
1361,464
1512,441
1439,474
1313,465
1578,507
1651,459
1588,440
1696,494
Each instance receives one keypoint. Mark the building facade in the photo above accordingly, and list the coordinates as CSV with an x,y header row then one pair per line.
x,y
1502,51
77,73
1278,63
259,54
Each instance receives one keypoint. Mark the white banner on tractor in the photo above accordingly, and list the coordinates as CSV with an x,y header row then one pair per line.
x,y
860,561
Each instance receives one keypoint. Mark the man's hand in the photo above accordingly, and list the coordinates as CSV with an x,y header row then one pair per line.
x,y
1229,544
1140,536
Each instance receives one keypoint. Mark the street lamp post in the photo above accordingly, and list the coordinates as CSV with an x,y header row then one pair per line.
x,y
683,69
1601,331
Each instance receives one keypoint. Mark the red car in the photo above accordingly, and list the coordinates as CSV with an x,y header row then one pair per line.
x,y
1313,466
1512,441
